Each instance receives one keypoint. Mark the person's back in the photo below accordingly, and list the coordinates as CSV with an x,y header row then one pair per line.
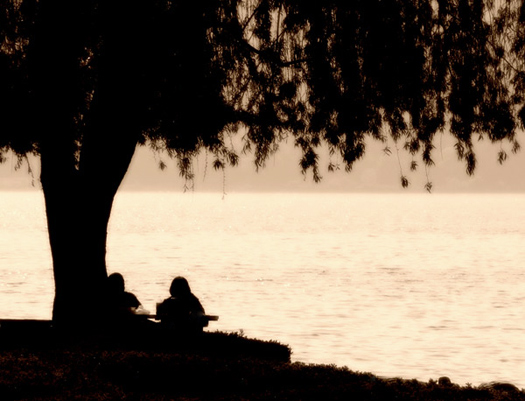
x,y
182,312
121,304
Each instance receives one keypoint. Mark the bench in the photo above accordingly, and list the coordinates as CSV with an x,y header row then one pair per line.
x,y
205,318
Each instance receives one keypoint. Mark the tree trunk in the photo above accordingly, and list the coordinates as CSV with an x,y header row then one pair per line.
x,y
79,192
81,172
77,222
78,207
79,186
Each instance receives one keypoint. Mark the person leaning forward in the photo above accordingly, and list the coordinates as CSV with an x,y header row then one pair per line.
x,y
182,312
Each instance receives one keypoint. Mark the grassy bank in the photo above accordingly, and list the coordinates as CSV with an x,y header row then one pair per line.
x,y
217,367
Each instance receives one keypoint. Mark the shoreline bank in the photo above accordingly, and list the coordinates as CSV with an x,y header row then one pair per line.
x,y
217,366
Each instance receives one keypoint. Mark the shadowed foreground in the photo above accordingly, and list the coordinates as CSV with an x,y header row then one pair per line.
x,y
218,366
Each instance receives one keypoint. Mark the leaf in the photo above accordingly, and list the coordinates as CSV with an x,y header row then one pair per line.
x,y
502,156
471,162
218,165
460,150
333,167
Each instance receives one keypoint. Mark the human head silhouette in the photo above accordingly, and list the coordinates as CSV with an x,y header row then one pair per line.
x,y
116,283
179,287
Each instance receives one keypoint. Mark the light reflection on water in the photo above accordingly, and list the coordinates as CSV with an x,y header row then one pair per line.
x,y
414,286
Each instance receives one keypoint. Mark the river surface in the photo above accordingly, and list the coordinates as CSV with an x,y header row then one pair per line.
x,y
400,285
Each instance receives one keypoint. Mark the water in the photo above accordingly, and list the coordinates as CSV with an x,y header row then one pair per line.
x,y
400,285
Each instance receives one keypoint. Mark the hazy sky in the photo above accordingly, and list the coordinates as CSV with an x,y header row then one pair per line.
x,y
376,172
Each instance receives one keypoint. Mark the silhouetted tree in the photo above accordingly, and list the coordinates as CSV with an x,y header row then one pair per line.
x,y
83,82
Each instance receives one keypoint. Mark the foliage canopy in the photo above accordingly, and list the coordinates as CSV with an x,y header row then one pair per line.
x,y
331,72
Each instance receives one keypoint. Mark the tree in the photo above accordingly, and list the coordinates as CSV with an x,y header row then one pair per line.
x,y
83,82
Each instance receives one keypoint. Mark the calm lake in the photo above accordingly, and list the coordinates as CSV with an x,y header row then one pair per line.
x,y
400,285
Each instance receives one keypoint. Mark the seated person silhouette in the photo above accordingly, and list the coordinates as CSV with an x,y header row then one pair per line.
x,y
121,304
181,312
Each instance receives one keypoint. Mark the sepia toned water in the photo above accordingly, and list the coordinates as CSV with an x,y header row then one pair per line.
x,y
400,285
